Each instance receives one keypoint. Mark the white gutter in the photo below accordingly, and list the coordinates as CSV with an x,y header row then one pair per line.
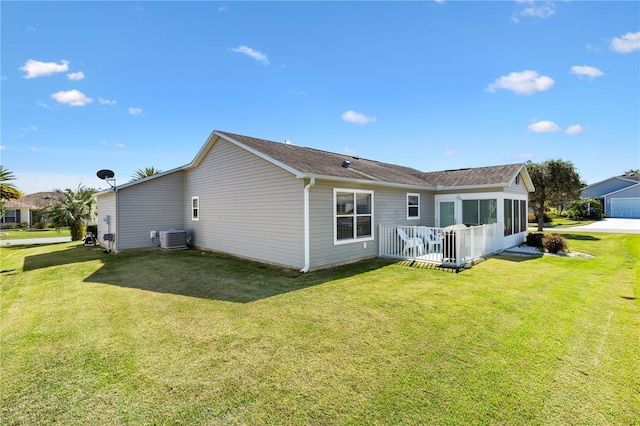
x,y
307,247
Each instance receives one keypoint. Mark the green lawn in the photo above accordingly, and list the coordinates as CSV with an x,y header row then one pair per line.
x,y
20,234
563,222
187,337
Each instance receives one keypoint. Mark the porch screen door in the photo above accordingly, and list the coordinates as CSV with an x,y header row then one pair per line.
x,y
447,213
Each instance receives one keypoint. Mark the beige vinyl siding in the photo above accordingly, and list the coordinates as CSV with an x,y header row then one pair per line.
x,y
106,206
248,206
519,188
389,208
154,205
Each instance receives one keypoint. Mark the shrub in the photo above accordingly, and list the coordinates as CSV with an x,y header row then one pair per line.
x,y
41,225
77,231
532,218
24,225
554,243
586,208
9,226
534,239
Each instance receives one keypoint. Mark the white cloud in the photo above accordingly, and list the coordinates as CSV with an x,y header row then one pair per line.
x,y
526,156
534,10
43,105
258,56
586,70
119,145
2,147
75,76
222,9
627,43
543,127
107,101
31,181
35,68
135,111
31,128
451,152
357,117
592,47
33,149
31,28
524,82
576,129
72,97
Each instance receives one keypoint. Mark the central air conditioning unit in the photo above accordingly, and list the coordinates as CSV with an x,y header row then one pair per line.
x,y
173,239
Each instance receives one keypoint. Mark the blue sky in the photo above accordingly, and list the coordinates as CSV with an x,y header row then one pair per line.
x,y
430,85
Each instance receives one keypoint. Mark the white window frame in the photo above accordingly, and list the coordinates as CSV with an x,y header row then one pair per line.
x,y
411,194
355,238
195,209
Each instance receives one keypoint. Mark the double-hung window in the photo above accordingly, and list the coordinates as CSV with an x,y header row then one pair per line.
x,y
413,206
353,215
195,208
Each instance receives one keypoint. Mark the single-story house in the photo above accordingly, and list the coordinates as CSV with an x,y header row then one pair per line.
x,y
302,207
620,195
27,208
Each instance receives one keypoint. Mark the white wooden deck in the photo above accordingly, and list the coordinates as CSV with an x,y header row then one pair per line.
x,y
441,246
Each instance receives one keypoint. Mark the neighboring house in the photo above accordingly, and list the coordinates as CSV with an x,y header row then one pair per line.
x,y
27,208
302,207
620,195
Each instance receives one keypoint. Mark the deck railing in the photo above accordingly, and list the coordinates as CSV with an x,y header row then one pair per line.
x,y
452,246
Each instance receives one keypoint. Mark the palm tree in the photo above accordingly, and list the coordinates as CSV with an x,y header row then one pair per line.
x,y
146,172
632,172
74,209
8,191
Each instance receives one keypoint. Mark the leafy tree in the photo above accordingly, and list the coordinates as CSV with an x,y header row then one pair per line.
x,y
8,191
586,208
146,172
632,171
555,182
74,209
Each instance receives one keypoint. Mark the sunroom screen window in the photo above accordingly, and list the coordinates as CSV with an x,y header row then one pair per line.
x,y
508,216
479,212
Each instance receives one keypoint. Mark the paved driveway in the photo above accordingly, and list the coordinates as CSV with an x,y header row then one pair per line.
x,y
616,226
26,241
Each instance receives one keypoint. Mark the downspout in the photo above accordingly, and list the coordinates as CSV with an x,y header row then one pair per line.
x,y
305,213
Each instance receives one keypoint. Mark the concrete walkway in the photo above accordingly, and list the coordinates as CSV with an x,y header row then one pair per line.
x,y
29,241
613,226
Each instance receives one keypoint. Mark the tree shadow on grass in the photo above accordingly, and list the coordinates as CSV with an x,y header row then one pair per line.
x,y
580,237
517,257
66,253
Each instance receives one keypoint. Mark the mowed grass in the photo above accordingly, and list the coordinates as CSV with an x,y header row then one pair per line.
x,y
20,234
187,337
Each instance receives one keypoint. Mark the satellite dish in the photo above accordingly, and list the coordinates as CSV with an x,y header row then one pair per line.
x,y
105,174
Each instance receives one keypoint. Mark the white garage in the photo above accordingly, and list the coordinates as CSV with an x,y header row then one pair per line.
x,y
625,207
624,203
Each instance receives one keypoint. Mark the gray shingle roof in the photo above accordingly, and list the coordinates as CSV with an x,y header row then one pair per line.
x,y
493,175
314,162
36,200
